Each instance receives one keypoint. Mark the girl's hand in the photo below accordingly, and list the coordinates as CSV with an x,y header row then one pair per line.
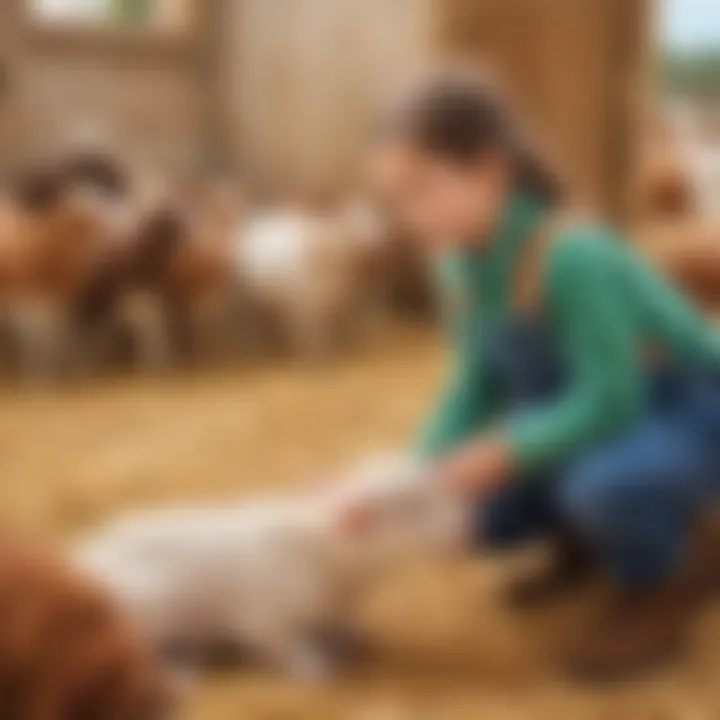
x,y
478,467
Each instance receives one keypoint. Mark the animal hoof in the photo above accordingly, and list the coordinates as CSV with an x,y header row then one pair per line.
x,y
348,646
313,666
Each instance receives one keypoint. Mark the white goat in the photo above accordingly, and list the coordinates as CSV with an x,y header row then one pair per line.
x,y
272,575
311,269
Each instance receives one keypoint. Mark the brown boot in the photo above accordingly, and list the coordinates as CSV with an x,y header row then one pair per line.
x,y
705,570
567,567
642,630
646,628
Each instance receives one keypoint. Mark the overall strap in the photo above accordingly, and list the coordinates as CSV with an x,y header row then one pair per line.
x,y
527,282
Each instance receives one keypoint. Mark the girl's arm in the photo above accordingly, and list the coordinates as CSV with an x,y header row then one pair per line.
x,y
596,333
466,403
461,411
605,388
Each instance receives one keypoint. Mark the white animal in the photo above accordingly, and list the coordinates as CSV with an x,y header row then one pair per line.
x,y
272,575
310,269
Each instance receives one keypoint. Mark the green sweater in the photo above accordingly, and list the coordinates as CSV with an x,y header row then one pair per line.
x,y
604,305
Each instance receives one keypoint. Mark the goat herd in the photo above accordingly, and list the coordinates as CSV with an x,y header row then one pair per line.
x,y
99,265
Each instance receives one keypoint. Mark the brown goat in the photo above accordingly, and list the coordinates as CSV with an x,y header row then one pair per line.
x,y
66,653
56,226
687,251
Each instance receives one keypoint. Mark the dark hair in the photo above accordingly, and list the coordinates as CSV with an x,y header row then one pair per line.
x,y
460,116
96,169
42,185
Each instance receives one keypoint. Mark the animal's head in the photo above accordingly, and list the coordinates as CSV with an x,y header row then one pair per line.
x,y
391,507
96,169
64,218
44,186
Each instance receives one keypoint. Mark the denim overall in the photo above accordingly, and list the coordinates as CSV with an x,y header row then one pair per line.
x,y
634,498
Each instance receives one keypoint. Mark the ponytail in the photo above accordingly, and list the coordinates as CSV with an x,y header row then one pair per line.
x,y
461,117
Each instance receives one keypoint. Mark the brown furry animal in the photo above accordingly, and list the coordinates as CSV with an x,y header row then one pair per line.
x,y
53,235
66,653
165,284
688,251
664,189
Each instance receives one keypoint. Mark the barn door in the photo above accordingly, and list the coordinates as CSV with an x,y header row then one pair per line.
x,y
309,72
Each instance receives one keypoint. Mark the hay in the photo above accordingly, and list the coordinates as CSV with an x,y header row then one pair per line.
x,y
446,650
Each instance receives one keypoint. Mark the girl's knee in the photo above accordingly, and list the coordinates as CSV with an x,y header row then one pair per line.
x,y
632,519
595,498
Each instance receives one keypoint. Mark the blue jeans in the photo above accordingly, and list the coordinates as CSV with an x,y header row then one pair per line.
x,y
635,498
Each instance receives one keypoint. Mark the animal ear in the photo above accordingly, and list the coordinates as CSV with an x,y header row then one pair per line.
x,y
355,518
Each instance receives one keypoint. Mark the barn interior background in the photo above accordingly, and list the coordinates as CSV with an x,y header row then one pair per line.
x,y
277,94
287,86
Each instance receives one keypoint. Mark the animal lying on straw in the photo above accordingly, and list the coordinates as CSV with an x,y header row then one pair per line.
x,y
278,577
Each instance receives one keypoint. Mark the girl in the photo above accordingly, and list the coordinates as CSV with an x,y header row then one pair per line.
x,y
584,405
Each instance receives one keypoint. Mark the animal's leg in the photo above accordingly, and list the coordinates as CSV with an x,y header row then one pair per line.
x,y
247,316
42,334
8,346
345,642
83,354
295,652
340,632
211,328
309,332
95,346
260,328
301,657
145,316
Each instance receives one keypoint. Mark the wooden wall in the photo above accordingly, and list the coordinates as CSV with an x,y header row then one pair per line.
x,y
141,92
579,70
285,88
305,74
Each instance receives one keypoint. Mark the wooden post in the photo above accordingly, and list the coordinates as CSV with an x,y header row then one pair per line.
x,y
632,58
